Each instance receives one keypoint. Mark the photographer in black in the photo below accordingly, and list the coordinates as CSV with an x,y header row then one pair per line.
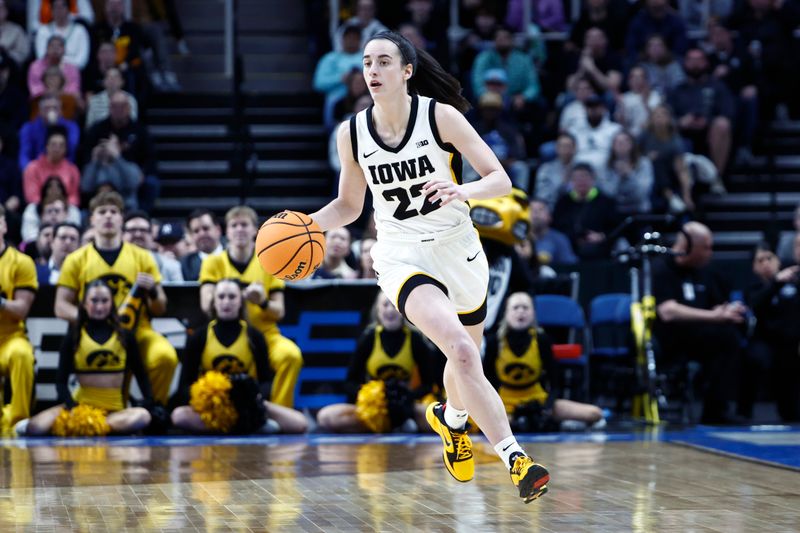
x,y
773,350
695,320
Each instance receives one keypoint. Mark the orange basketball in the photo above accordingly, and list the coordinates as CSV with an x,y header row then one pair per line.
x,y
290,246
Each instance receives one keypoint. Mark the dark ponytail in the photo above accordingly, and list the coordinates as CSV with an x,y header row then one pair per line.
x,y
428,78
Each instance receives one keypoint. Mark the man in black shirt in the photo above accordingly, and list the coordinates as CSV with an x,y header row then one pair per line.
x,y
695,322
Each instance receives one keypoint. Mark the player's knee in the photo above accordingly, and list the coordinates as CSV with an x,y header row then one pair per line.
x,y
465,356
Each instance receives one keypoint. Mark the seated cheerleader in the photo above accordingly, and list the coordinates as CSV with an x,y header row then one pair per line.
x,y
519,362
228,357
392,367
99,352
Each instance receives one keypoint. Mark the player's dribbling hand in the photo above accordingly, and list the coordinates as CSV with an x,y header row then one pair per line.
x,y
254,293
444,190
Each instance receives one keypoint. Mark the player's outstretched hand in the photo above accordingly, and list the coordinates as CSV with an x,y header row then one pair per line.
x,y
444,190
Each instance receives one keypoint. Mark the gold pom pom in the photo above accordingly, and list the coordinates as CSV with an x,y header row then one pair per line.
x,y
210,398
371,408
81,421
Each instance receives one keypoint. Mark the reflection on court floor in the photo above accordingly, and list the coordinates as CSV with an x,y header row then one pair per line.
x,y
394,483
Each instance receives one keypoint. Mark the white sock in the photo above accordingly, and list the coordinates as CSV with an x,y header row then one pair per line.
x,y
506,448
455,418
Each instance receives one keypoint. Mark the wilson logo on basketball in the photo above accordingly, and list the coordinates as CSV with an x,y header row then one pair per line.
x,y
297,271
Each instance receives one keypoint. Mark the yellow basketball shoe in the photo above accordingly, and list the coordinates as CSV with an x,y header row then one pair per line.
x,y
529,477
457,453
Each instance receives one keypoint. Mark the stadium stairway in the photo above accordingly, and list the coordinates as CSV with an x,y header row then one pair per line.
x,y
288,164
761,195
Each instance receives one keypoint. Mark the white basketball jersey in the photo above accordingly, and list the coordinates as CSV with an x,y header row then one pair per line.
x,y
396,175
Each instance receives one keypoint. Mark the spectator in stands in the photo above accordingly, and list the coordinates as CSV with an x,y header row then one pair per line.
x,y
66,239
663,72
705,110
54,83
17,290
52,162
337,248
34,133
108,170
548,14
99,104
661,144
773,351
13,103
608,15
136,230
388,349
503,137
595,62
552,177
170,242
586,215
426,17
787,240
10,190
698,15
478,38
634,106
206,233
364,20
109,256
40,12
149,16
363,102
523,82
735,69
53,57
519,363
765,30
264,295
52,209
94,76
136,145
77,42
356,88
40,249
228,344
13,40
593,139
552,247
128,39
656,17
365,261
573,115
628,177
695,320
333,70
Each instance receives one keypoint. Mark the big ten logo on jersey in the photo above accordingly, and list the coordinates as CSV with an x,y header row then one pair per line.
x,y
228,364
423,142
100,359
387,173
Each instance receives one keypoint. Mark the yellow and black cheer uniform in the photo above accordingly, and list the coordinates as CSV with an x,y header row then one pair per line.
x,y
17,273
285,358
401,354
118,269
229,347
99,349
521,366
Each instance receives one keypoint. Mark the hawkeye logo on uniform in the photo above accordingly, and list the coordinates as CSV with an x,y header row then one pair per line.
x,y
401,171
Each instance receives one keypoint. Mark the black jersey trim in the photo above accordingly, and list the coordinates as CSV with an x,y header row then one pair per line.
x,y
412,119
447,147
473,318
410,284
353,139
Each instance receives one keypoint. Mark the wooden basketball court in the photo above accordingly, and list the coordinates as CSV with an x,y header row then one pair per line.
x,y
318,483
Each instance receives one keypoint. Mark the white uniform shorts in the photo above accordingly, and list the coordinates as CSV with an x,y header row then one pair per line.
x,y
452,260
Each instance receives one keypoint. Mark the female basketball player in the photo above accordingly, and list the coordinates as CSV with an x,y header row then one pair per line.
x,y
407,148
99,352
229,345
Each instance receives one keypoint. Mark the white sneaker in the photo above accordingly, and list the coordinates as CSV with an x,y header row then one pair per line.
x,y
21,427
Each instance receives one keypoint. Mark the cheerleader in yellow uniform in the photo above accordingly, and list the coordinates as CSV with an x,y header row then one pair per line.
x,y
396,355
519,362
100,353
17,290
230,347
